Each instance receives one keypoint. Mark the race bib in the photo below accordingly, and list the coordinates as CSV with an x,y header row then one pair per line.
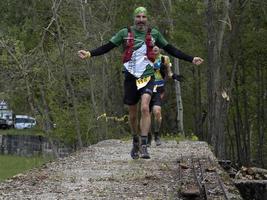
x,y
142,82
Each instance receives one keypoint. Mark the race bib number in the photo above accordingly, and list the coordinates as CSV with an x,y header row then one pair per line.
x,y
142,82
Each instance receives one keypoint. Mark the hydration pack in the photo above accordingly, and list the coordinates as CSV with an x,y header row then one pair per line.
x,y
127,55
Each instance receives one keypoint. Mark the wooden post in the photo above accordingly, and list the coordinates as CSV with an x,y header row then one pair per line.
x,y
179,103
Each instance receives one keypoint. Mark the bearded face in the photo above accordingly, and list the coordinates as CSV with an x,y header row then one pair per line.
x,y
140,21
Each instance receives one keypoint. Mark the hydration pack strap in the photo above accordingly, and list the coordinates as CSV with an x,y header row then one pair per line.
x,y
127,55
149,45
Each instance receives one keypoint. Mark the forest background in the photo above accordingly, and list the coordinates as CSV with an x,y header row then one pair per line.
x,y
81,102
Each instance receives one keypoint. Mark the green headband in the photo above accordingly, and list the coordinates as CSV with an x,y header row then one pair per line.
x,y
140,10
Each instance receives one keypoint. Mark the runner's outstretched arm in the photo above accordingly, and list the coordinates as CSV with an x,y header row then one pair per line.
x,y
102,49
179,54
96,52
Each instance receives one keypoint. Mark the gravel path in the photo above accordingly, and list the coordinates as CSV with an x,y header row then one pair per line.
x,y
106,171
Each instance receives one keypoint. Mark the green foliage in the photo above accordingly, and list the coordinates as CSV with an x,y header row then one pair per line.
x,y
194,138
179,137
12,165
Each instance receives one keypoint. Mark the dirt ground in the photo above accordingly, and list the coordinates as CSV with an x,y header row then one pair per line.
x,y
106,171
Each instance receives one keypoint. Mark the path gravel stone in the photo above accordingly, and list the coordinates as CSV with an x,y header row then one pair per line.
x,y
106,171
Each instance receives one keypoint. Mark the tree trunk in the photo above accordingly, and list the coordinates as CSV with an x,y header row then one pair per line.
x,y
179,105
238,77
201,112
238,124
179,100
216,104
246,127
260,114
198,112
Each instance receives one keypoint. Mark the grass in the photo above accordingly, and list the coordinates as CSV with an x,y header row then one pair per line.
x,y
12,165
179,137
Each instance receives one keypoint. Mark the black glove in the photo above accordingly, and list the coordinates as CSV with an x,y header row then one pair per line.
x,y
178,77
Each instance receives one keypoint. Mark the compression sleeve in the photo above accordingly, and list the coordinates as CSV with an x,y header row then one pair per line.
x,y
177,53
102,49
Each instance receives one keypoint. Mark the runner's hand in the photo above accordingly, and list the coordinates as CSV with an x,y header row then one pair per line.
x,y
84,54
166,60
177,77
197,60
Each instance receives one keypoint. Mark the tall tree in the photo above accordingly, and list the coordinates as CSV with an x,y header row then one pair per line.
x,y
215,73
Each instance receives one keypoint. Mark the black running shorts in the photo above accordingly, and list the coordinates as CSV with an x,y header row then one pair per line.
x,y
155,100
131,94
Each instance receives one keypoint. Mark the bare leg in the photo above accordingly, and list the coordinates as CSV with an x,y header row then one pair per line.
x,y
145,123
157,123
149,136
133,116
145,120
162,96
157,117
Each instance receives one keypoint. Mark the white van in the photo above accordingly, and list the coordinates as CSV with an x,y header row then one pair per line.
x,y
24,121
8,116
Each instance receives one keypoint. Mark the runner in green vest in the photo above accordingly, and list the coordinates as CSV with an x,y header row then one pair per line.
x,y
138,61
